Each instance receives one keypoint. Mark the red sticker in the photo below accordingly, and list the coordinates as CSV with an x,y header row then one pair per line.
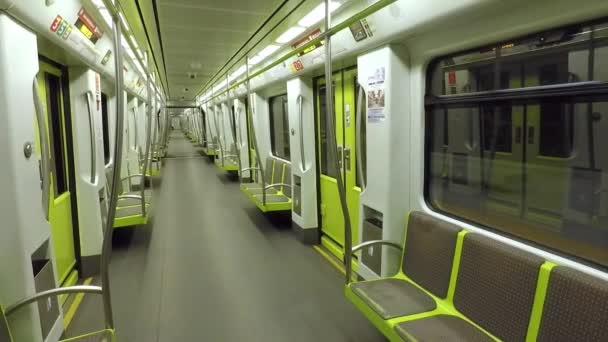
x,y
452,78
297,66
55,24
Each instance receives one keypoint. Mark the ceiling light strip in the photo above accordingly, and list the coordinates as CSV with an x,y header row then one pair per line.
x,y
371,9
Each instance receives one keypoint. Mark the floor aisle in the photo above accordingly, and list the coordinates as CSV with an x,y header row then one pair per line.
x,y
211,267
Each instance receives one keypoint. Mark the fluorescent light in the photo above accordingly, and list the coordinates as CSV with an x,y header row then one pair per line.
x,y
124,21
290,34
105,14
255,60
269,50
317,14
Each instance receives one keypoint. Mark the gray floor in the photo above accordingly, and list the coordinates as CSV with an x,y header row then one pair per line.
x,y
211,267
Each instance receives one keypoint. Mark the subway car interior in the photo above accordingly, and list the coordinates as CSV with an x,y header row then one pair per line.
x,y
303,170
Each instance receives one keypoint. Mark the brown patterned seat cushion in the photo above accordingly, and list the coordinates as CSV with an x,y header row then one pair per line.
x,y
440,328
429,252
391,298
496,285
575,308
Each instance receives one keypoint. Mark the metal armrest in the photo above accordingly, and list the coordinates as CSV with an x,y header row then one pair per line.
x,y
375,243
130,196
367,244
52,293
277,184
250,168
132,176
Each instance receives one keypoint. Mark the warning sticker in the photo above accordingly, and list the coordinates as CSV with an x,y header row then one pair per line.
x,y
88,26
375,96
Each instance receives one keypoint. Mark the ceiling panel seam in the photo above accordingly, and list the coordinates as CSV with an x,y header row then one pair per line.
x,y
141,18
246,42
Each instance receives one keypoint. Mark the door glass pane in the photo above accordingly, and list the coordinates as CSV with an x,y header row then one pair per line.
x,y
279,127
328,162
57,137
361,153
556,126
106,131
497,128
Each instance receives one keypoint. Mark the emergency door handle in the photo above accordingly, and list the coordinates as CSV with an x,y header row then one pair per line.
x,y
89,96
347,157
301,128
45,167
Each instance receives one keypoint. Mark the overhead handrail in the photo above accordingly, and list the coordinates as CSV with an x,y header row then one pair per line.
x,y
301,133
358,125
88,95
45,167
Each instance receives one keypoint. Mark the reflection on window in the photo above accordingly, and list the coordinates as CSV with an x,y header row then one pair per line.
x,y
106,130
57,137
328,164
279,127
363,135
527,163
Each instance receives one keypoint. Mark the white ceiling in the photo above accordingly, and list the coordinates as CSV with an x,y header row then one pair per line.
x,y
200,36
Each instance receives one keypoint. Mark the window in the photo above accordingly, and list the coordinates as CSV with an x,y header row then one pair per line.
x,y
57,136
328,164
279,127
526,162
106,129
362,153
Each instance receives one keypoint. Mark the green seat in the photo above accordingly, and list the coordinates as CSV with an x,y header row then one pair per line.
x,y
575,307
278,193
440,328
130,216
391,298
106,335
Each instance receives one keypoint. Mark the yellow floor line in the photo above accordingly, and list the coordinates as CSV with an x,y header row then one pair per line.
x,y
330,258
69,315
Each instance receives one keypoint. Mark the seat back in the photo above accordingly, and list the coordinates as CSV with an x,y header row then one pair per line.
x,y
268,171
277,174
496,285
429,252
5,333
575,308
287,180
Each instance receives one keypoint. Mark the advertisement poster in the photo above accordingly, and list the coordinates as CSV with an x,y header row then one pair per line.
x,y
375,96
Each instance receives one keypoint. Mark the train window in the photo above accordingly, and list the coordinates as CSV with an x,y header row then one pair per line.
x,y
361,153
106,129
328,164
57,136
233,123
279,127
550,186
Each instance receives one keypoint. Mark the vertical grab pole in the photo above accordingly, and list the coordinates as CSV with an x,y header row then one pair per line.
x,y
255,140
107,236
232,114
331,119
148,134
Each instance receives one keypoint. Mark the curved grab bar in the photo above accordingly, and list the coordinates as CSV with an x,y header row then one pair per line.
x,y
52,293
301,119
89,95
358,124
45,168
369,244
277,184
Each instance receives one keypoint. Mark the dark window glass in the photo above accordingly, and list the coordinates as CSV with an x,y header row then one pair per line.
x,y
57,137
363,134
279,127
525,163
328,164
106,131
